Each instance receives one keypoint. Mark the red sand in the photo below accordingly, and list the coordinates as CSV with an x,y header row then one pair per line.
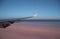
x,y
20,32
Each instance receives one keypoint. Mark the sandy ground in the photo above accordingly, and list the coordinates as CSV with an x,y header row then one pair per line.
x,y
16,31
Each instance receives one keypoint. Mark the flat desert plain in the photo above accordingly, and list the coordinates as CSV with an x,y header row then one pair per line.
x,y
22,31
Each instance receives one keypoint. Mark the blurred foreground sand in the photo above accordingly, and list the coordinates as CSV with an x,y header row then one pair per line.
x,y
20,32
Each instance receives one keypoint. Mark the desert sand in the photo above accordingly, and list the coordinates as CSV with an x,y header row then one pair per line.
x,y
17,31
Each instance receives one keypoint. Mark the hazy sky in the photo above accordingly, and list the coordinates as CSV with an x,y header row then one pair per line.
x,y
47,9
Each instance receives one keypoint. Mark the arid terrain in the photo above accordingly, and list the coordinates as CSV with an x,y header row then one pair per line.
x,y
17,31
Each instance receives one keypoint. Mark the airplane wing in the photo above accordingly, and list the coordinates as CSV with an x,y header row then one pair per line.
x,y
6,22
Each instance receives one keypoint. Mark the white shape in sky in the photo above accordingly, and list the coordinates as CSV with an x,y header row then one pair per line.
x,y
35,15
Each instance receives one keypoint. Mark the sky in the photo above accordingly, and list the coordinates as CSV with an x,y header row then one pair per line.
x,y
46,9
